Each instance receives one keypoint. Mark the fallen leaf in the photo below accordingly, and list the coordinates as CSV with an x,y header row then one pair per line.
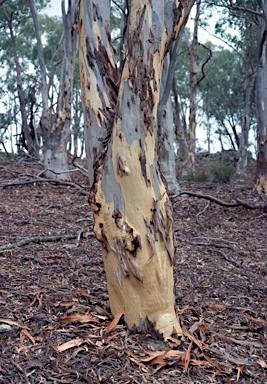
x,y
214,363
163,357
21,339
84,293
173,342
253,318
263,340
239,371
78,318
215,307
114,322
66,304
70,344
181,311
187,357
26,333
194,327
11,322
262,363
194,339
202,328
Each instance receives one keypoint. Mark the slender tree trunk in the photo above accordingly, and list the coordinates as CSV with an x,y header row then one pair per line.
x,y
193,92
243,146
55,156
29,140
261,107
180,135
55,128
132,211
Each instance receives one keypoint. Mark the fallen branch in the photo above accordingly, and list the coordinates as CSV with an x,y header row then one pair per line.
x,y
246,343
235,263
213,199
223,355
51,181
36,239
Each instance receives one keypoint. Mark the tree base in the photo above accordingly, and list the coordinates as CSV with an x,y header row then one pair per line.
x,y
261,183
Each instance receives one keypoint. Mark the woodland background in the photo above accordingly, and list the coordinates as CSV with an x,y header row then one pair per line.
x,y
56,325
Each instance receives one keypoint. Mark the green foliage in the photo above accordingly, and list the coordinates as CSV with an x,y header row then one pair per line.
x,y
222,173
217,173
221,90
199,177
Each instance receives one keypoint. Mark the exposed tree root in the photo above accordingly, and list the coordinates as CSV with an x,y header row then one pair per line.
x,y
237,203
37,179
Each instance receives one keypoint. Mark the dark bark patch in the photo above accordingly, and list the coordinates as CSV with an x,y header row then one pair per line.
x,y
96,207
96,15
142,159
89,54
162,227
126,260
148,327
117,216
150,236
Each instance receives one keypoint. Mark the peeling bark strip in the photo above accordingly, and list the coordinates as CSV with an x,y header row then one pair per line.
x,y
132,211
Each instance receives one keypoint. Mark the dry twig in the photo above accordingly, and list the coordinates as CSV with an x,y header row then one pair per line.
x,y
36,239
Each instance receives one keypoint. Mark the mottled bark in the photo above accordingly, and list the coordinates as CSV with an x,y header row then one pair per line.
x,y
132,211
166,128
261,106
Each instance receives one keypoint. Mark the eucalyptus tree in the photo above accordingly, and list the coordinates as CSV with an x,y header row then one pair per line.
x,y
167,158
192,60
55,124
220,93
16,44
254,13
132,211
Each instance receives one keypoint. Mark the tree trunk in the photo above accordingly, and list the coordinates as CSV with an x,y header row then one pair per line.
x,y
29,141
180,135
193,92
56,136
243,143
166,132
261,107
132,211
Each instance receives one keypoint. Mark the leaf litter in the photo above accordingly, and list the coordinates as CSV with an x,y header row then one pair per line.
x,y
55,316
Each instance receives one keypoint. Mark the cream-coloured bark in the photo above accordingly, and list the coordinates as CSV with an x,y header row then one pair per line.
x,y
132,211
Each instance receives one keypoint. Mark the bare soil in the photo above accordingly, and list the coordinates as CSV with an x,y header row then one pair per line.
x,y
54,307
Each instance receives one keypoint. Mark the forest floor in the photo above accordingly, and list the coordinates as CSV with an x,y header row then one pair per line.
x,y
55,322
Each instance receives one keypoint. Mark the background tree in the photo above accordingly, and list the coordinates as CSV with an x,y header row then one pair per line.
x,y
133,215
255,11
194,56
15,25
55,125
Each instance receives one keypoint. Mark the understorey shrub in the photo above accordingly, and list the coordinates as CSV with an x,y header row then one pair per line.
x,y
199,177
222,173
